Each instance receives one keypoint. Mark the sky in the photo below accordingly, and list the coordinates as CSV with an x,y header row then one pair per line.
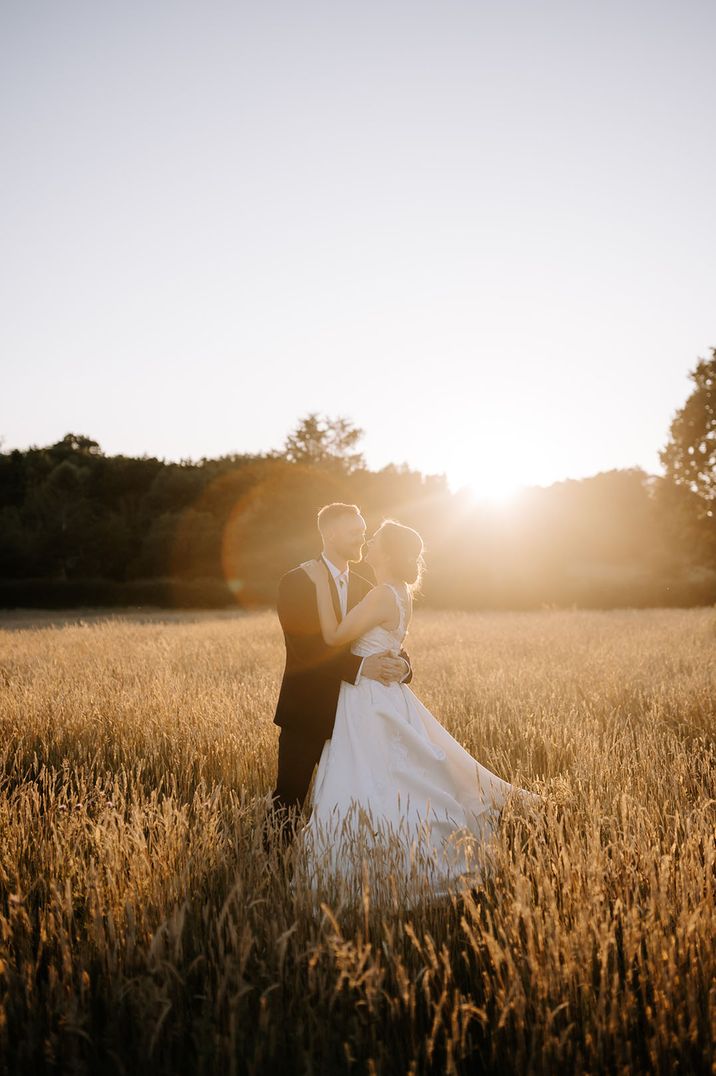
x,y
482,231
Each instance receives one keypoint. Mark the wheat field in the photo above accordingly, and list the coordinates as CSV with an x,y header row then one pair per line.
x,y
145,929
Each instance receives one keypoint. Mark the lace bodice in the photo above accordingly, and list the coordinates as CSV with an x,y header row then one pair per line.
x,y
379,639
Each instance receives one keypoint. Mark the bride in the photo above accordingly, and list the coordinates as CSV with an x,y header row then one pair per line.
x,y
394,791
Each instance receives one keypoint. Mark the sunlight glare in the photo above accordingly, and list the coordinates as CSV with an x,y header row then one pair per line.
x,y
495,490
490,488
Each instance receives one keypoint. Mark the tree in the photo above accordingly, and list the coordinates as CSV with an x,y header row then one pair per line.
x,y
63,513
325,443
690,455
77,443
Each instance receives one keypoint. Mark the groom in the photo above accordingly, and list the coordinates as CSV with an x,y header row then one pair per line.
x,y
308,697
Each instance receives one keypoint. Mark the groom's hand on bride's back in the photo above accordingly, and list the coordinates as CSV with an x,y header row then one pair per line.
x,y
383,667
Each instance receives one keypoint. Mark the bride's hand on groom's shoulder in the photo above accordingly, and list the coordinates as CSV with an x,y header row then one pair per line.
x,y
313,569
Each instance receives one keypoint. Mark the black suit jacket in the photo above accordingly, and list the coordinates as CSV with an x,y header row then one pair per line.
x,y
312,678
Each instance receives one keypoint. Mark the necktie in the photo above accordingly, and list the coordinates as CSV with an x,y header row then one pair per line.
x,y
342,594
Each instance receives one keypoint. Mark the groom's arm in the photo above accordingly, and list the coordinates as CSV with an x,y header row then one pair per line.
x,y
409,675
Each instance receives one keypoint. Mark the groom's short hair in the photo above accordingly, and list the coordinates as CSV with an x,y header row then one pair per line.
x,y
331,512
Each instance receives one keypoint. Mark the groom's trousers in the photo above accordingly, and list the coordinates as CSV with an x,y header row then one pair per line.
x,y
297,757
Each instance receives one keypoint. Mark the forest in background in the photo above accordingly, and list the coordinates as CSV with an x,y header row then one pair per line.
x,y
78,527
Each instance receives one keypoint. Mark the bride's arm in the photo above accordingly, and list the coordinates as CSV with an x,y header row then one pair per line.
x,y
373,610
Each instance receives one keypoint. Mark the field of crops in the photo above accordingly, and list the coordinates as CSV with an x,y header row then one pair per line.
x,y
145,929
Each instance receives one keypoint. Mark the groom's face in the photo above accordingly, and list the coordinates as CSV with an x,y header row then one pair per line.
x,y
349,535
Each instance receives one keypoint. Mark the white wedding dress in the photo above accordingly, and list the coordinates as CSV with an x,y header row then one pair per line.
x,y
398,804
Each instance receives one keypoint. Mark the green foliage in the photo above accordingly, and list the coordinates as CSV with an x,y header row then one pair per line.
x,y
230,527
690,455
325,443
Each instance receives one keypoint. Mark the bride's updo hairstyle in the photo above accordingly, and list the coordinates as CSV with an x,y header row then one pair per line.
x,y
403,548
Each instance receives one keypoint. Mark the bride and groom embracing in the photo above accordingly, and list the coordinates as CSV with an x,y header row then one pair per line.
x,y
345,705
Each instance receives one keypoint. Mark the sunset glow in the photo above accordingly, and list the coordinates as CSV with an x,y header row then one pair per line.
x,y
458,228
497,491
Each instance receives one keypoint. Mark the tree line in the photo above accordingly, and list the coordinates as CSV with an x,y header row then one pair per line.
x,y
78,527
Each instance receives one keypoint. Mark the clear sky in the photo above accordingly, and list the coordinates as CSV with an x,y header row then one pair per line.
x,y
484,231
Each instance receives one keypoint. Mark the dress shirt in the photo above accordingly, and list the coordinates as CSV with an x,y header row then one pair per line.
x,y
341,581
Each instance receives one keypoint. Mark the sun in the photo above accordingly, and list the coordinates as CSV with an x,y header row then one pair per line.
x,y
495,493
496,490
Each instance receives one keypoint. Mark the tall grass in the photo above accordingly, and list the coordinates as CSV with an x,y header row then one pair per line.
x,y
144,928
